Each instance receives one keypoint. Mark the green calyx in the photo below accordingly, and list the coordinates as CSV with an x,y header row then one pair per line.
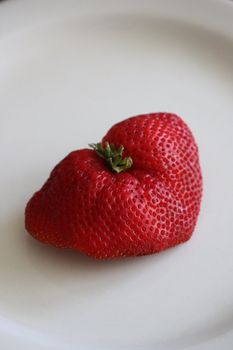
x,y
113,156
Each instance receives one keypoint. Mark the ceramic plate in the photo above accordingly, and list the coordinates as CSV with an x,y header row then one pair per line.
x,y
68,71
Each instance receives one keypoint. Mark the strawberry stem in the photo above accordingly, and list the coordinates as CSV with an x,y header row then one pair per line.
x,y
112,156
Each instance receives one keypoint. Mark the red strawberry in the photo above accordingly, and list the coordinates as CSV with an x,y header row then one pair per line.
x,y
95,202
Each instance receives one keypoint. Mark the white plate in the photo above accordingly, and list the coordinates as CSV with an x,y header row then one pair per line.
x,y
69,70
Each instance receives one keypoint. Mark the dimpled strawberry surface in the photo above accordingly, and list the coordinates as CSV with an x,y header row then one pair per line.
x,y
137,192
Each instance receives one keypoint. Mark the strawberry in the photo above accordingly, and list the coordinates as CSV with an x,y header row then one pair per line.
x,y
135,193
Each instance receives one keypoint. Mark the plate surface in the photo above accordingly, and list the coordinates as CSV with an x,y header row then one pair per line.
x,y
69,70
